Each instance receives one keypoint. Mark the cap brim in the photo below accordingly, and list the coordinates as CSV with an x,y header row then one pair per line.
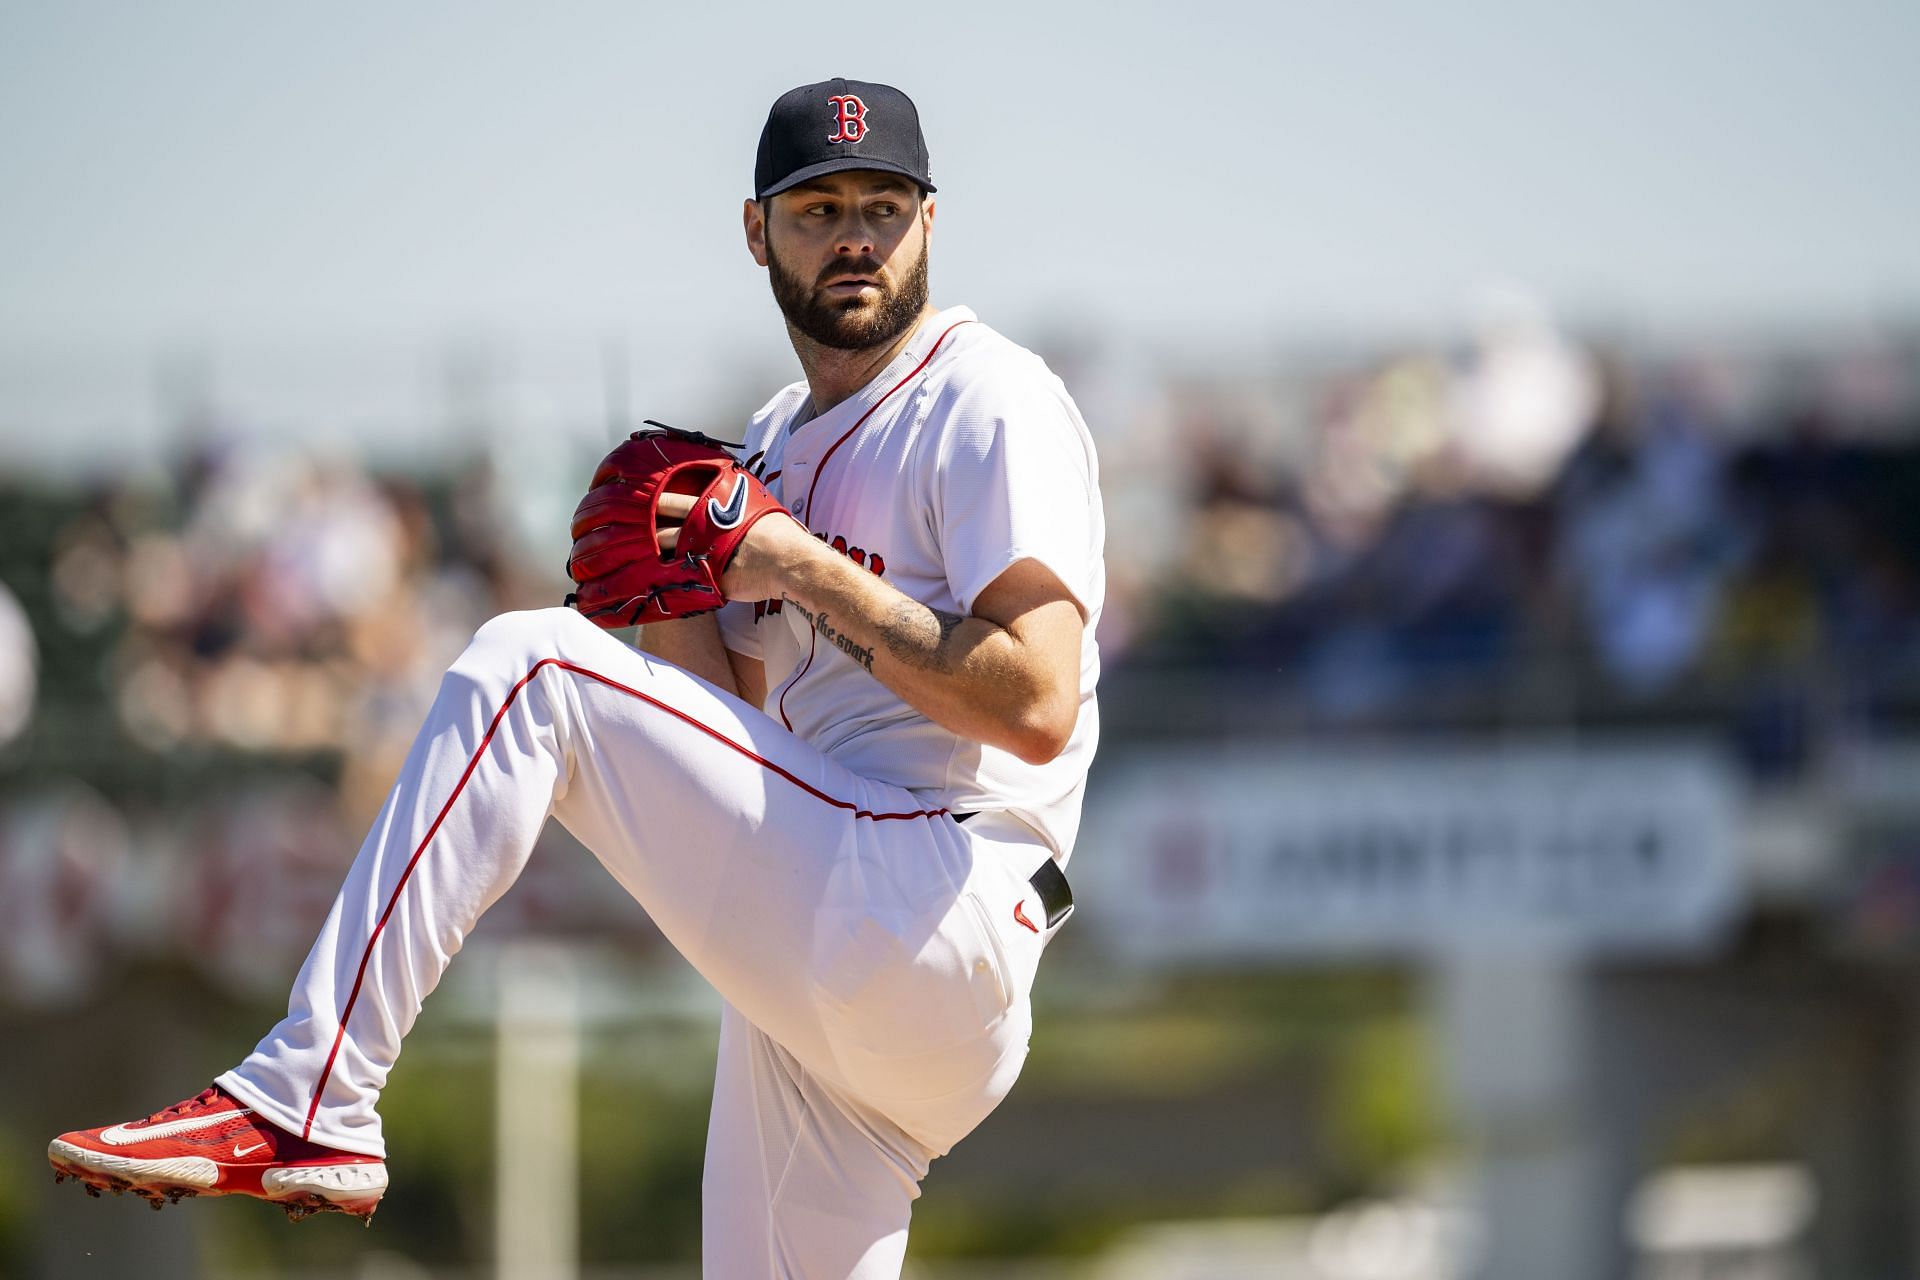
x,y
841,165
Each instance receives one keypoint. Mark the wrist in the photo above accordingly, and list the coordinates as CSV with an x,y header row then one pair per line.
x,y
805,569
772,555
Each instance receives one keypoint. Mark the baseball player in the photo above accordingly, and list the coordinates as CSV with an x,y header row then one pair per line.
x,y
842,772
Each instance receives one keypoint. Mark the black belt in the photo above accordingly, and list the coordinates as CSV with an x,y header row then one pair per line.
x,y
1049,882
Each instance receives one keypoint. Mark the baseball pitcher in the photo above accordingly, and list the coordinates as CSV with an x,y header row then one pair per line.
x,y
842,772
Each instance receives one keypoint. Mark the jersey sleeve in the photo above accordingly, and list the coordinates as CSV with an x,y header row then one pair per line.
x,y
1016,481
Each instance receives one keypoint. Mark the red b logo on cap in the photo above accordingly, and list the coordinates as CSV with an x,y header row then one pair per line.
x,y
849,118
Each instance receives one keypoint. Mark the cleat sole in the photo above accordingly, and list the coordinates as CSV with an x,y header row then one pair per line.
x,y
305,1206
303,1190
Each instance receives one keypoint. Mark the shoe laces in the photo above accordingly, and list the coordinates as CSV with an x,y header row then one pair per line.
x,y
205,1098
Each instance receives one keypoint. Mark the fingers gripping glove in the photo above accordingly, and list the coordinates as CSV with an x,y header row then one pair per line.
x,y
623,579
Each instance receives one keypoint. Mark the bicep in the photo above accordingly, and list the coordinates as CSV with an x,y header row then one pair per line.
x,y
1032,605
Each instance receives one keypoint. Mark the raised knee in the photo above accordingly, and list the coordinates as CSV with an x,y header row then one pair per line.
x,y
524,624
523,637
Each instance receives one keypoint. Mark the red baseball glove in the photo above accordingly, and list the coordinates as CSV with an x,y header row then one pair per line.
x,y
623,577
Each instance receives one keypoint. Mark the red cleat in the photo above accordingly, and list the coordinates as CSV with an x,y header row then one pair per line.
x,y
211,1145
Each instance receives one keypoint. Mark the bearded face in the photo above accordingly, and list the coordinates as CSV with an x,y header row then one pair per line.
x,y
832,313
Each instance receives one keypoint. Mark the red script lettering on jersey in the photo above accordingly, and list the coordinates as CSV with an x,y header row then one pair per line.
x,y
849,119
872,561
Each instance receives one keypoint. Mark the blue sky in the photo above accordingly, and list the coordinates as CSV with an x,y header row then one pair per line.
x,y
243,177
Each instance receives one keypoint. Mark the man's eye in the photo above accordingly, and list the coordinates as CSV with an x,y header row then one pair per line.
x,y
885,210
819,210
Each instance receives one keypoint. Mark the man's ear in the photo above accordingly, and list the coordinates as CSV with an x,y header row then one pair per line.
x,y
754,221
926,217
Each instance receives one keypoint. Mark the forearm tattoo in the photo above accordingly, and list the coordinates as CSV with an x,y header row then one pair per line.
x,y
917,635
834,636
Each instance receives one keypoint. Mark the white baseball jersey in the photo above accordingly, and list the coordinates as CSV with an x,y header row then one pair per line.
x,y
875,955
963,457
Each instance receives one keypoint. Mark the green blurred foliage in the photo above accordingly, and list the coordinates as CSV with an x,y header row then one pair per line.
x,y
1205,1095
1385,1114
16,1227
643,1139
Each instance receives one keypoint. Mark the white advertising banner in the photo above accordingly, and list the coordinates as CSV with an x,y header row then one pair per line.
x,y
1217,854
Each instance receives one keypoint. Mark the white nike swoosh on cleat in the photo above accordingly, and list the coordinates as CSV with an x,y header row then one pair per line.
x,y
119,1135
238,1154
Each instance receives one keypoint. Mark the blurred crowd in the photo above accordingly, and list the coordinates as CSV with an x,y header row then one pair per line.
x,y
274,602
1556,531
1560,535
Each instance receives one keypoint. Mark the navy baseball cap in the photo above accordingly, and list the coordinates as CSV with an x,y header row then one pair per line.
x,y
835,125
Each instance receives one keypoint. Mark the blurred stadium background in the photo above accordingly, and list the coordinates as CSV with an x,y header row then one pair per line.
x,y
1504,856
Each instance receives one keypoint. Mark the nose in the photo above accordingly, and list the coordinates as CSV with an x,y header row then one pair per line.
x,y
854,238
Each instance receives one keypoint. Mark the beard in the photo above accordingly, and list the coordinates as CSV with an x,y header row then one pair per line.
x,y
849,324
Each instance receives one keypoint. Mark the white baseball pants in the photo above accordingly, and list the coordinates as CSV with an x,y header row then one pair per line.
x,y
875,977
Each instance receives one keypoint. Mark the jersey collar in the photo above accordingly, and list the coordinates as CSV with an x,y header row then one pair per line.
x,y
849,410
